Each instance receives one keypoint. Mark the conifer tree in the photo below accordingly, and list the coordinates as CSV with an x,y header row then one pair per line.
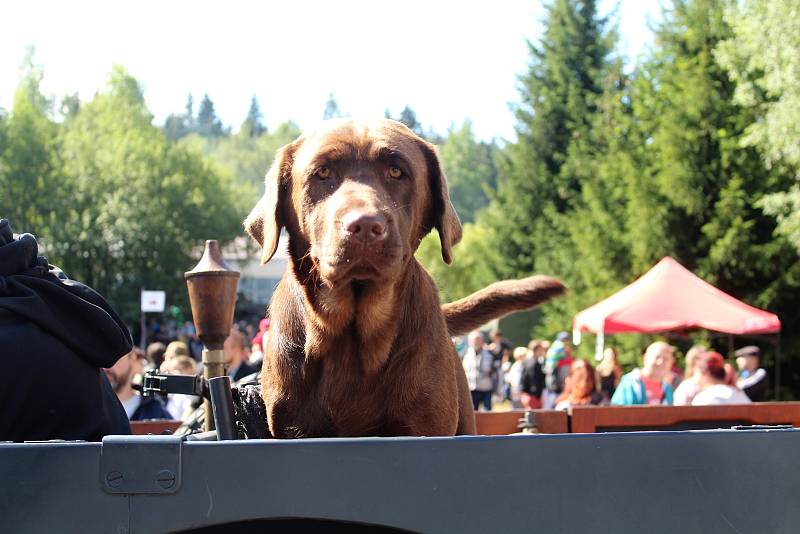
x,y
253,125
331,108
208,124
558,98
178,126
471,171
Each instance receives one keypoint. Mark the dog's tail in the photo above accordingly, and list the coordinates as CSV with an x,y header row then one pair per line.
x,y
498,300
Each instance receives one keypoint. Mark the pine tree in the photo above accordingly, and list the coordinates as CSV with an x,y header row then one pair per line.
x,y
331,108
189,112
767,72
253,125
668,175
70,105
706,184
178,126
558,94
471,171
208,124
409,118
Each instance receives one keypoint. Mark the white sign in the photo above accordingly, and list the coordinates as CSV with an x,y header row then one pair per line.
x,y
153,301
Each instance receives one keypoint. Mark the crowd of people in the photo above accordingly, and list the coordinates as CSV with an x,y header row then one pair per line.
x,y
183,356
543,375
547,375
66,376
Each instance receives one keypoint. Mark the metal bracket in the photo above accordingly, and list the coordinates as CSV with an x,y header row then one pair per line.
x,y
140,464
187,385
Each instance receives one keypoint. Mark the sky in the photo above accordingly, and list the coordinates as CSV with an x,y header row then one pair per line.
x,y
448,60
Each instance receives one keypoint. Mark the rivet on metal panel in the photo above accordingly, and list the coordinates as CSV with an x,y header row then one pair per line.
x,y
165,479
114,479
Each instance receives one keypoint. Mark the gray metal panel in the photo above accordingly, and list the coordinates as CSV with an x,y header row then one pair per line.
x,y
709,481
54,487
141,464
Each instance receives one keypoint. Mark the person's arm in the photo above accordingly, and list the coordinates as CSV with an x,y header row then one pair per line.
x,y
667,400
622,395
752,380
681,395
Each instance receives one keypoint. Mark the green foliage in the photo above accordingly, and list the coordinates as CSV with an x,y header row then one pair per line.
x,y
536,186
472,268
112,201
138,204
70,105
178,126
29,161
253,125
409,118
471,171
693,154
208,124
612,171
766,70
242,157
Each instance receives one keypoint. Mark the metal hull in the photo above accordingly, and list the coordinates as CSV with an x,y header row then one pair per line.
x,y
676,482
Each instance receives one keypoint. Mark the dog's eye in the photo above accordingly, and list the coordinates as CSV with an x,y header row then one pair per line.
x,y
395,172
324,172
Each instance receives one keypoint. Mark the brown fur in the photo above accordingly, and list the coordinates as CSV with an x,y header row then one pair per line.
x,y
359,345
498,300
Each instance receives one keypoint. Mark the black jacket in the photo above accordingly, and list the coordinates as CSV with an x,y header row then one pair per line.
x,y
533,379
55,335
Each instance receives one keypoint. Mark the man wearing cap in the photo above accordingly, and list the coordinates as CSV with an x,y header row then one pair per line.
x,y
713,389
753,379
648,385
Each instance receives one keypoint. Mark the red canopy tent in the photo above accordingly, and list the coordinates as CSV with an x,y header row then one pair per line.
x,y
670,297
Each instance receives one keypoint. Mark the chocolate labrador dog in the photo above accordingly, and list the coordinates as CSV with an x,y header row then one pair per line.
x,y
359,343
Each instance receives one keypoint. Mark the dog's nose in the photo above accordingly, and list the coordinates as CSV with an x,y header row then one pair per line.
x,y
365,227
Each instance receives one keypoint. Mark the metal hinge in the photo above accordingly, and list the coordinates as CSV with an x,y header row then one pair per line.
x,y
140,464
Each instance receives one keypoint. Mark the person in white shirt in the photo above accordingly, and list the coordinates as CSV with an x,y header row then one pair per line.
x,y
478,365
690,385
713,390
513,376
179,405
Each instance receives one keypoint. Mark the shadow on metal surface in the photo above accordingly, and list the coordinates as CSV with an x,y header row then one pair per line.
x,y
294,526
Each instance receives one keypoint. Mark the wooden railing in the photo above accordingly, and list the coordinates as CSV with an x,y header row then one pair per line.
x,y
588,419
500,423
154,427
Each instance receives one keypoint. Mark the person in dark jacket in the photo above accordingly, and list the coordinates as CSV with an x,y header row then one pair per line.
x,y
55,336
753,379
137,407
237,354
533,379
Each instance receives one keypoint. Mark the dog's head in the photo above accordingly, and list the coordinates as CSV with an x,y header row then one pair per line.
x,y
356,199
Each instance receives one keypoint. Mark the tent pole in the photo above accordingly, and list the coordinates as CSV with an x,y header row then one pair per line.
x,y
730,345
778,366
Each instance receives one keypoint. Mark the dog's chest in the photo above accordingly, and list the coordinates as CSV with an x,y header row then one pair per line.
x,y
339,398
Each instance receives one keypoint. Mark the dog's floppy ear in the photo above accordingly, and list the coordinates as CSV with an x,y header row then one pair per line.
x,y
266,219
445,218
